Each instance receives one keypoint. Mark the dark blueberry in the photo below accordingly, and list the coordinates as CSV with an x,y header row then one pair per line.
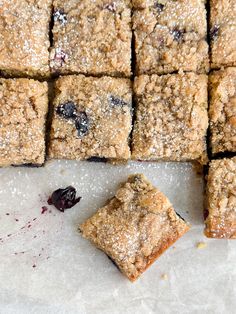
x,y
115,101
82,123
159,6
67,110
59,15
180,216
214,32
64,198
97,159
178,34
110,7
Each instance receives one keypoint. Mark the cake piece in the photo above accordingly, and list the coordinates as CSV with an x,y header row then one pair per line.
x,y
24,37
170,36
222,33
92,37
221,199
171,117
135,227
91,119
222,112
23,110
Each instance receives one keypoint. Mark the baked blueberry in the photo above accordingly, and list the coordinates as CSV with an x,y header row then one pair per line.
x,y
60,56
214,32
82,123
64,198
67,110
178,34
110,7
159,6
115,101
60,16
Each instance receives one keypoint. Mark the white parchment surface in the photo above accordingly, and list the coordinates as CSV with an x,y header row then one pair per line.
x,y
46,266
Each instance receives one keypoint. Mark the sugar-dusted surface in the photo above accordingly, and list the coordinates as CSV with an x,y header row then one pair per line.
x,y
222,33
99,124
222,110
221,199
170,36
92,37
23,110
135,227
171,117
77,278
24,37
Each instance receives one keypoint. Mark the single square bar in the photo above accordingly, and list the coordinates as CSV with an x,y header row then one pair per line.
x,y
170,36
220,212
92,118
23,110
24,37
222,111
135,227
92,37
171,117
222,33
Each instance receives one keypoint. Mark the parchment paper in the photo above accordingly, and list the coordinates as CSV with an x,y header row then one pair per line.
x,y
46,266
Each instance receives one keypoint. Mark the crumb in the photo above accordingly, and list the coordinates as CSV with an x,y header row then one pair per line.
x,y
164,276
201,245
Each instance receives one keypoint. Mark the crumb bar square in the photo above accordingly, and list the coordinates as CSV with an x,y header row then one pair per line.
x,y
221,199
222,33
171,117
23,110
222,111
170,36
92,118
135,227
92,37
24,37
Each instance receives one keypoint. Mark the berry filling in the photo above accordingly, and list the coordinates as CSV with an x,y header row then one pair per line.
x,y
159,6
